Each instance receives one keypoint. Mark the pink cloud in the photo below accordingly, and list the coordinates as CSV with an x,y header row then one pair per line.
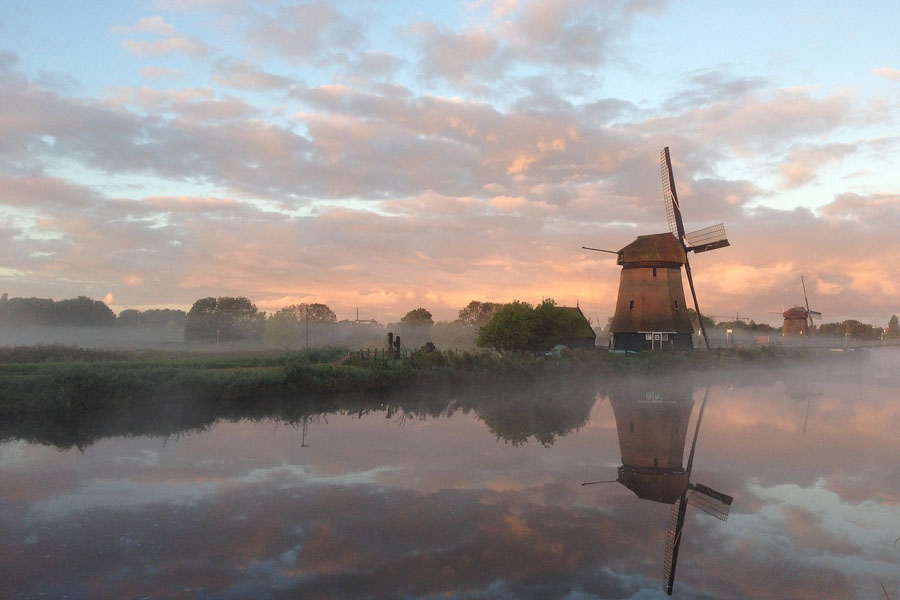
x,y
892,74
170,45
155,25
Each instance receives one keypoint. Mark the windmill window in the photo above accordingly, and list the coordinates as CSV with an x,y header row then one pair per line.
x,y
655,461
654,271
631,305
676,305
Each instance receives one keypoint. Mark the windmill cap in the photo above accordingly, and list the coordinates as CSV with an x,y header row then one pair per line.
x,y
658,249
659,485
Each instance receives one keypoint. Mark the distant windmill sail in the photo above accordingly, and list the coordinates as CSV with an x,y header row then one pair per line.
x,y
809,313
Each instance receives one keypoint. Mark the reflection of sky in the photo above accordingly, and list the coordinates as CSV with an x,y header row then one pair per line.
x,y
416,508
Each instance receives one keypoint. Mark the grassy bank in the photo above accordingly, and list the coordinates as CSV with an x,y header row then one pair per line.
x,y
71,397
62,378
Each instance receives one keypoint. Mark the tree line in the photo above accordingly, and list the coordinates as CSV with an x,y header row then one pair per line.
x,y
502,326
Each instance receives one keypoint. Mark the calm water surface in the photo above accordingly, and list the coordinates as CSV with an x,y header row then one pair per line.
x,y
481,502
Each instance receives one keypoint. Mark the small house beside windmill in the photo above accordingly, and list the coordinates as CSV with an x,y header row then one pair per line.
x,y
651,311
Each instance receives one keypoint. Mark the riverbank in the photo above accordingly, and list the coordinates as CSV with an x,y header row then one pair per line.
x,y
40,379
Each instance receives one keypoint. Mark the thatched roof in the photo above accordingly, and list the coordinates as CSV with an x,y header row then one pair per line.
x,y
652,250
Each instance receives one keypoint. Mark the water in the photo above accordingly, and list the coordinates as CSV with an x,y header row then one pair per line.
x,y
461,500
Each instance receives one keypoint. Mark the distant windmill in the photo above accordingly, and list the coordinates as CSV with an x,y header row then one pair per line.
x,y
650,309
798,320
652,426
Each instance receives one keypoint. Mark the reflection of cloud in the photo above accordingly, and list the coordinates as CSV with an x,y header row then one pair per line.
x,y
455,510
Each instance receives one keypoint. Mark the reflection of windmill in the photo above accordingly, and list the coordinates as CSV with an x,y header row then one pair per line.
x,y
801,390
651,311
652,428
705,498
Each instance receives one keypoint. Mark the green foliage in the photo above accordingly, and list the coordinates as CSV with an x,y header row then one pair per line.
x,y
556,325
478,313
315,313
74,312
512,327
893,328
281,329
751,326
519,327
166,318
56,353
695,322
224,319
417,316
850,328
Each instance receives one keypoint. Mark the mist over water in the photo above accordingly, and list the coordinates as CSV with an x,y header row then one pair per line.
x,y
475,495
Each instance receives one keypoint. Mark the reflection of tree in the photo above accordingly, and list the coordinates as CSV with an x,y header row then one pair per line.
x,y
542,414
512,414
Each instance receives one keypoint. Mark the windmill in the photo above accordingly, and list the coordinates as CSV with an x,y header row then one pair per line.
x,y
798,320
702,240
650,310
652,425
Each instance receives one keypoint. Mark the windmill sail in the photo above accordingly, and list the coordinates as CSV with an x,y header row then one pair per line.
x,y
705,498
670,197
701,240
708,238
710,501
673,542
809,313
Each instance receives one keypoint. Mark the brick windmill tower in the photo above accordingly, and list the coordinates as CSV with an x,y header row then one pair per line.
x,y
651,311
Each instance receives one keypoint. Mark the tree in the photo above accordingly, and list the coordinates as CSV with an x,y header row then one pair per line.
x,y
418,316
155,318
478,313
224,319
695,323
893,328
315,312
555,325
850,328
512,327
281,329
83,311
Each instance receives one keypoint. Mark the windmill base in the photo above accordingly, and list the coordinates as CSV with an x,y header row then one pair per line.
x,y
642,342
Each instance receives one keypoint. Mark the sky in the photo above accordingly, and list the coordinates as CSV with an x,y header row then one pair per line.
x,y
383,156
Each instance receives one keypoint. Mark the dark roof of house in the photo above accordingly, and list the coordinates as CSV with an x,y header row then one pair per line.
x,y
585,331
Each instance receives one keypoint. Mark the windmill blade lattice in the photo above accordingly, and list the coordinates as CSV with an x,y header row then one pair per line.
x,y
708,238
710,501
670,197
